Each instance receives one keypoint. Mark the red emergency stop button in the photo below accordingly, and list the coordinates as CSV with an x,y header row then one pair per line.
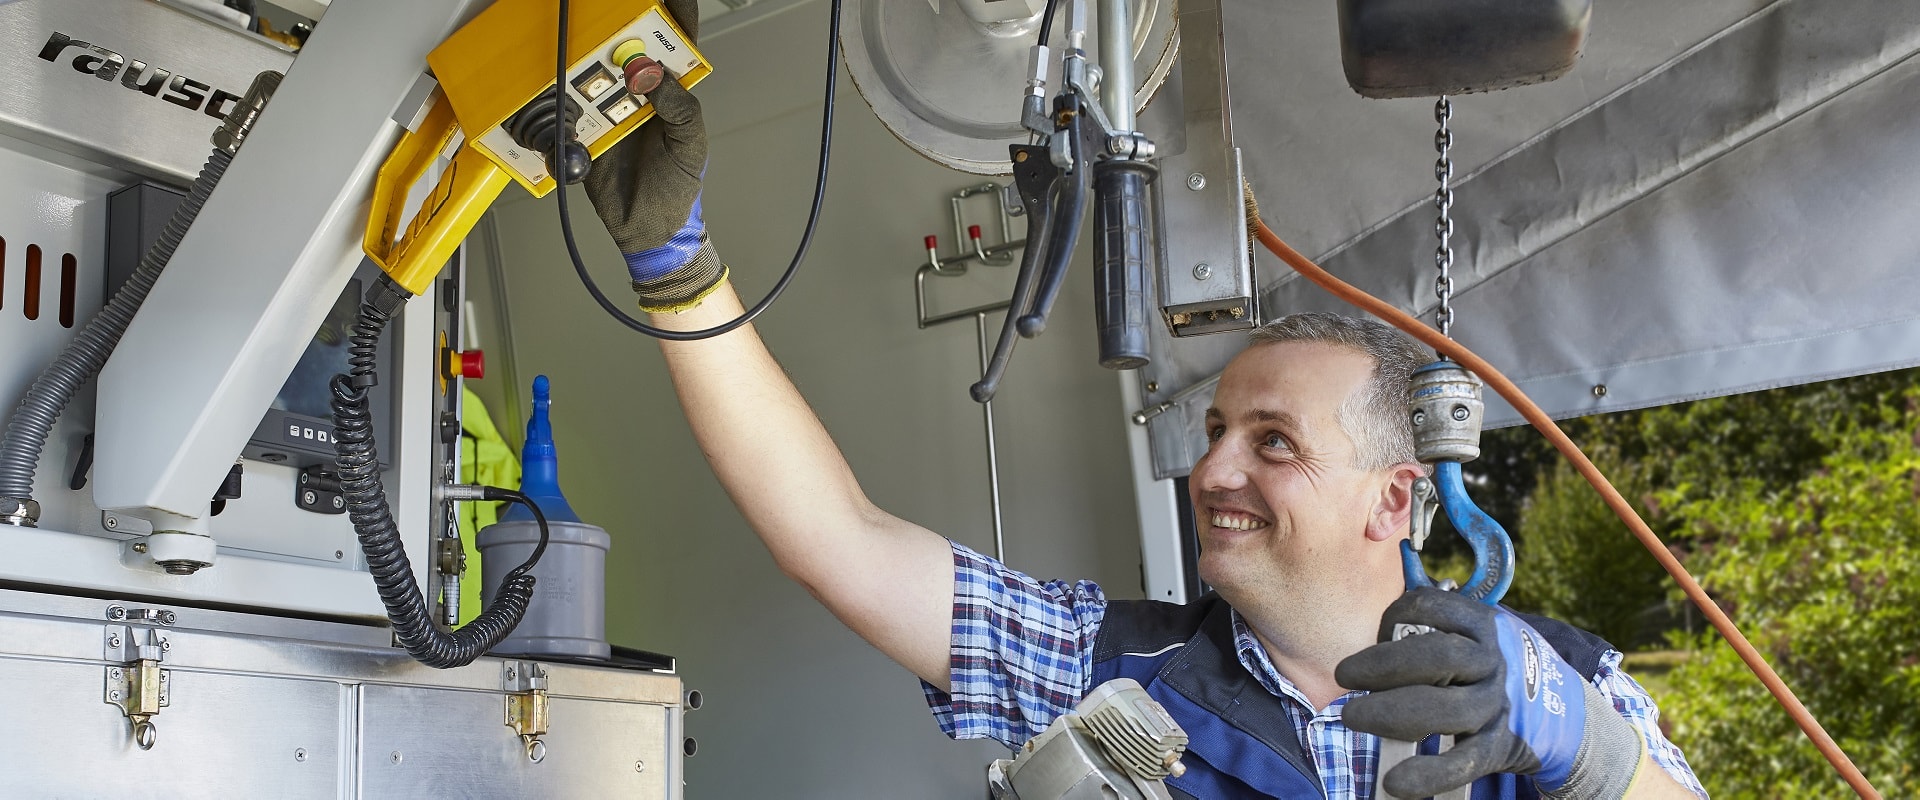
x,y
467,364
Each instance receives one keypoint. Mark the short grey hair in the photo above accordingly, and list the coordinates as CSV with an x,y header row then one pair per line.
x,y
1374,416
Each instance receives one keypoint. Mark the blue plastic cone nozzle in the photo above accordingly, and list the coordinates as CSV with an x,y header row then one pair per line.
x,y
540,464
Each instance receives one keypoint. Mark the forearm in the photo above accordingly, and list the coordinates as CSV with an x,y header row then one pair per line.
x,y
887,579
1651,782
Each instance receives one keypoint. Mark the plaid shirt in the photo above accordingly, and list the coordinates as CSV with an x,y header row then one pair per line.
x,y
1023,655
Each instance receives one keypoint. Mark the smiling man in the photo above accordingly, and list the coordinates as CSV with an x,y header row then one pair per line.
x,y
1302,499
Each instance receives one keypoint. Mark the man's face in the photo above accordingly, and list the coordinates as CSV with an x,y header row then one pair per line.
x,y
1280,505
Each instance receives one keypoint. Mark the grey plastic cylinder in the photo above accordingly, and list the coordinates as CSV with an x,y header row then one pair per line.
x,y
568,615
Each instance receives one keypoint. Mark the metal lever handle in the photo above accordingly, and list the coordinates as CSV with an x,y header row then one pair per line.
x,y
1034,177
1069,207
1121,247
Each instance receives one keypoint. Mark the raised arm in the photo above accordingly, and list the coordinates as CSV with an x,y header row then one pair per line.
x,y
887,579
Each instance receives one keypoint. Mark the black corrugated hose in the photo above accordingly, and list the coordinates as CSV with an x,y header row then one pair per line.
x,y
359,467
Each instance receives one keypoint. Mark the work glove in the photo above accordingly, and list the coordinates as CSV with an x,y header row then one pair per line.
x,y
646,188
1493,682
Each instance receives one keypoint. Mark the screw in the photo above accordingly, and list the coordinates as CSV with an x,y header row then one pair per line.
x,y
395,758
1196,181
339,502
1116,145
113,641
639,766
300,754
116,612
166,645
114,674
1153,386
113,523
139,547
308,498
1202,272
113,695
1460,413
166,618
1599,390
339,554
511,674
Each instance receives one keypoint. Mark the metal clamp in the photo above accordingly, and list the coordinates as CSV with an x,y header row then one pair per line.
x,y
526,685
139,688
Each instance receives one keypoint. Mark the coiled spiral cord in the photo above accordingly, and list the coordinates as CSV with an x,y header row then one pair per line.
x,y
359,467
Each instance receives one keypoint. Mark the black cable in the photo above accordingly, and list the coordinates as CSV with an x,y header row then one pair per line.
x,y
356,458
806,238
1046,22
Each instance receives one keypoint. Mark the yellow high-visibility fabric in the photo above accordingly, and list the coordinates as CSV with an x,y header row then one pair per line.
x,y
485,459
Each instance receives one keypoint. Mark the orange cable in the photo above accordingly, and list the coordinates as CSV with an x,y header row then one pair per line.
x,y
1614,500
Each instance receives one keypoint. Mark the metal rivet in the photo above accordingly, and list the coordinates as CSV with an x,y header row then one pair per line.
x,y
1196,181
396,757
300,754
1460,413
1599,390
1419,418
639,766
113,641
1202,272
1153,386
339,554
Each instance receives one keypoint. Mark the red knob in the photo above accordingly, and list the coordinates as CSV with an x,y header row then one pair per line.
x,y
973,231
470,364
933,242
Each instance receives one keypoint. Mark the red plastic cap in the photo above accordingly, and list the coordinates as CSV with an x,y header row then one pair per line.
x,y
933,242
473,364
973,231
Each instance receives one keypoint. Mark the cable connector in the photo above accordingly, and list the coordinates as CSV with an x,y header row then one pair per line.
x,y
461,493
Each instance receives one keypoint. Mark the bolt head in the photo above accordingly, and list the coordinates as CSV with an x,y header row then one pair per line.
x,y
1419,418
1196,181
166,645
1460,413
116,612
1153,386
1599,390
138,547
113,641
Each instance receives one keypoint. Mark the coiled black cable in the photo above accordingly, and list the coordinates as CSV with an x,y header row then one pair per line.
x,y
359,467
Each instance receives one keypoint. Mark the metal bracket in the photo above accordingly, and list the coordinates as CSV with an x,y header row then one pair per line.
x,y
526,686
139,687
318,490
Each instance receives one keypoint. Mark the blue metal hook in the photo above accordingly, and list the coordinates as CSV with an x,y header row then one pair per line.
x,y
1492,548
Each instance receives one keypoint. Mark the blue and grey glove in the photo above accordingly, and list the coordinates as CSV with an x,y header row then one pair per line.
x,y
1493,682
646,188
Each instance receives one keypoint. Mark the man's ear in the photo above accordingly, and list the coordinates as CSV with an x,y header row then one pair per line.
x,y
1393,509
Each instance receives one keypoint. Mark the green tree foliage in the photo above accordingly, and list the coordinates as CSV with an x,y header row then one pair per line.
x,y
1577,562
1824,576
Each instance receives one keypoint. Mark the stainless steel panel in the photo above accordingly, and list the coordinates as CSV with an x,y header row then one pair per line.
x,y
268,707
127,83
444,743
223,735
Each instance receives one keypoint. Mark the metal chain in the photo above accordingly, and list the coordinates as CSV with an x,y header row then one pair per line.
x,y
1443,225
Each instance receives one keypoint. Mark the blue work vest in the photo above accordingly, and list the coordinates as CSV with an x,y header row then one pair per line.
x,y
1242,743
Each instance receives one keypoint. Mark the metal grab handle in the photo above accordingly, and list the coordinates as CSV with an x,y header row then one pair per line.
x,y
1121,249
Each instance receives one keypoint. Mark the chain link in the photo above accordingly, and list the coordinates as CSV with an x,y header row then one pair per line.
x,y
1443,224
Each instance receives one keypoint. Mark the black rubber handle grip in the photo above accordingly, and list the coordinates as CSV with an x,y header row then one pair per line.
x,y
1122,246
